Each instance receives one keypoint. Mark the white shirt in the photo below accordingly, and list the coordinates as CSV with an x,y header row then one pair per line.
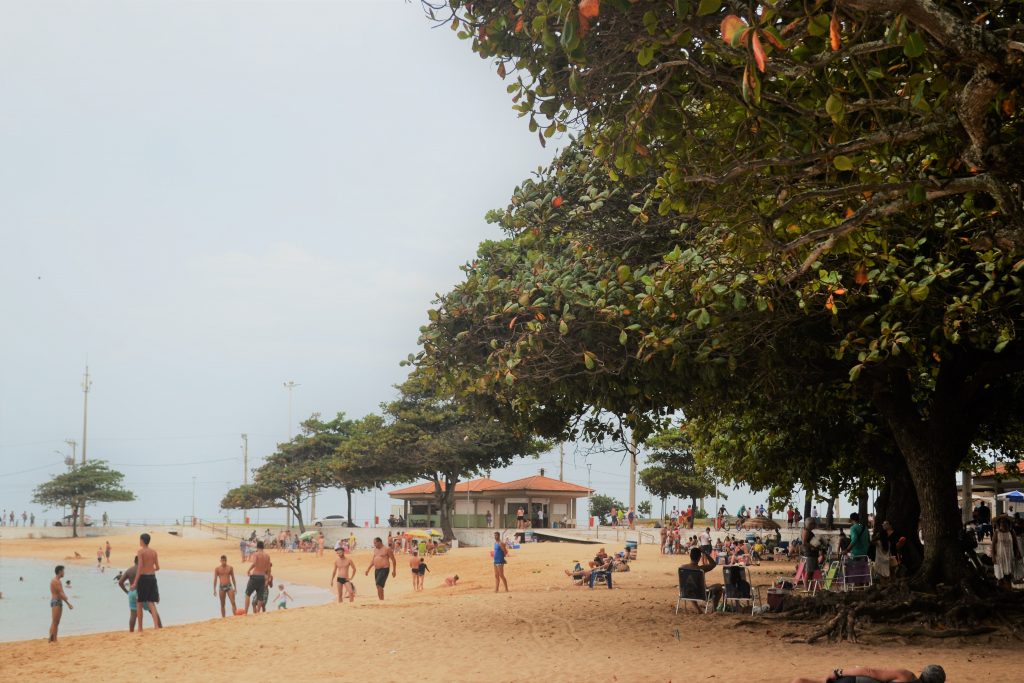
x,y
705,538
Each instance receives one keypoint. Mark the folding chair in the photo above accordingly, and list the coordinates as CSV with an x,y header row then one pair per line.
x,y
738,587
601,575
856,572
826,581
692,588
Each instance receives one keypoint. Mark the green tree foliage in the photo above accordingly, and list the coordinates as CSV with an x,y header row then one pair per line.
x,y
91,482
429,435
673,469
601,505
644,508
831,190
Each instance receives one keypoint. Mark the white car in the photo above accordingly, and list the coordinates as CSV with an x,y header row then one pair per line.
x,y
331,520
83,520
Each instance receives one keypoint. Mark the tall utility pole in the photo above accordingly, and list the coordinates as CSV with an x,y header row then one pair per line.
x,y
73,444
245,470
290,385
589,494
86,384
632,449
561,461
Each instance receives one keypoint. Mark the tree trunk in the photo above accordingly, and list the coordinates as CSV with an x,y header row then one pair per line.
x,y
807,504
74,521
830,514
297,509
348,494
933,447
443,498
897,503
862,507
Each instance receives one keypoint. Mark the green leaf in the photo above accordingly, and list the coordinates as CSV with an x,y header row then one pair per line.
x,y
707,7
835,108
682,8
855,371
739,302
650,22
919,293
916,193
563,328
623,272
623,337
646,55
914,47
843,163
588,360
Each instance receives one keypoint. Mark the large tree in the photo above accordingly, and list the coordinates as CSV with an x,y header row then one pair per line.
x,y
851,167
673,469
91,482
430,435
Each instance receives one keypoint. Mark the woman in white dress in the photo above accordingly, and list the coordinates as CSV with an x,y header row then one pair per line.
x,y
1005,551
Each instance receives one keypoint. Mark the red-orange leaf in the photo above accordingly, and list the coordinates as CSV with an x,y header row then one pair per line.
x,y
519,25
759,56
731,25
556,202
833,33
590,8
861,276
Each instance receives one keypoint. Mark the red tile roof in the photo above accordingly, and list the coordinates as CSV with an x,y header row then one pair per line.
x,y
1001,468
534,483
472,486
539,483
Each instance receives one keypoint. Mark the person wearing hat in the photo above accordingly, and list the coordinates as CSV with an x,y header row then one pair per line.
x,y
933,673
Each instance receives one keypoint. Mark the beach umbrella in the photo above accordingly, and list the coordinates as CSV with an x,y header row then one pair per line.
x,y
435,532
308,535
1015,496
417,533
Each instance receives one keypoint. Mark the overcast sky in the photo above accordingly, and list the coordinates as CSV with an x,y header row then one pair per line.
x,y
204,200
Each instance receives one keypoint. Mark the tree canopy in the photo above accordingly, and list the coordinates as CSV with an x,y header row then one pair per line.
x,y
826,192
90,482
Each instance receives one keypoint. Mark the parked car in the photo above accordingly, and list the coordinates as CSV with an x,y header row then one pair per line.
x,y
84,520
331,520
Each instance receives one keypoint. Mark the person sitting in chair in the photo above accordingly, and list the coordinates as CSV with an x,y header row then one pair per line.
x,y
704,563
933,673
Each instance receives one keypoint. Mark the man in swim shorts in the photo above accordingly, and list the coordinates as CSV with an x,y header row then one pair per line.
x,y
224,585
414,569
933,673
127,577
258,571
57,600
145,582
383,558
344,570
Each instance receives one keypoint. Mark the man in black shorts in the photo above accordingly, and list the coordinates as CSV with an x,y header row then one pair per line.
x,y
344,570
933,673
383,557
258,571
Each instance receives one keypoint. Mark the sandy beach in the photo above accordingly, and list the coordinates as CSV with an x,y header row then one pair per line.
x,y
544,629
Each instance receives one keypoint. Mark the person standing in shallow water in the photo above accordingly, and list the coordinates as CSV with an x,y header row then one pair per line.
x,y
500,554
145,582
57,600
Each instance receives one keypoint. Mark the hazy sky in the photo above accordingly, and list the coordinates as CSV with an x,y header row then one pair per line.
x,y
206,199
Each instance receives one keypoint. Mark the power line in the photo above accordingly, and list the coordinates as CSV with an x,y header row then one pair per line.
x,y
31,469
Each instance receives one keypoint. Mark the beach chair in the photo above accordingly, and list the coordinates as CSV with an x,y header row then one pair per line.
x,y
601,575
738,587
856,572
800,578
827,580
693,588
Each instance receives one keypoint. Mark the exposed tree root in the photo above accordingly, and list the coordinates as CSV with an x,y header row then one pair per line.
x,y
896,611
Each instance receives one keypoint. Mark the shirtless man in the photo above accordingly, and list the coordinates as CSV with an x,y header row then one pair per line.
x,y
127,577
344,570
106,551
414,566
224,584
145,582
698,560
57,600
382,558
257,573
932,673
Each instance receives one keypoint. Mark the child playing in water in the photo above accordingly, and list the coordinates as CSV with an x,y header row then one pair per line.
x,y
282,597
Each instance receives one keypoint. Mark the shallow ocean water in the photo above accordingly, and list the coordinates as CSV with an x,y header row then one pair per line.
x,y
99,605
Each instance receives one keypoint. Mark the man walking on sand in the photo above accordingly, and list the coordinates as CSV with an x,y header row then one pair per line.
x,y
344,570
224,584
106,551
500,552
57,600
258,571
382,558
145,582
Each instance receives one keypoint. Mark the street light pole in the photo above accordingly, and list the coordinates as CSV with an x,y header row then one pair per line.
x,y
245,471
86,384
193,500
290,386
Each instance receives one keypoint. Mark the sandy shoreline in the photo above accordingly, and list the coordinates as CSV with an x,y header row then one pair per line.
x,y
544,629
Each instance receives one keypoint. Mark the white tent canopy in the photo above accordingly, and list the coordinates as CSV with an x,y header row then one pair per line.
x,y
1011,495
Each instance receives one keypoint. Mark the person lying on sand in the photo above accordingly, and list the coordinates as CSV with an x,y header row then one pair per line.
x,y
451,580
933,673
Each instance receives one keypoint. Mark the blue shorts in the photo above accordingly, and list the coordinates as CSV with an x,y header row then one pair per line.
x,y
133,601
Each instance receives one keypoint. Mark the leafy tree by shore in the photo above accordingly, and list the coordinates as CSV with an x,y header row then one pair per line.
x,y
91,482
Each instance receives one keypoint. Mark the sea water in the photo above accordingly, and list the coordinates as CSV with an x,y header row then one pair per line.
x,y
99,605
